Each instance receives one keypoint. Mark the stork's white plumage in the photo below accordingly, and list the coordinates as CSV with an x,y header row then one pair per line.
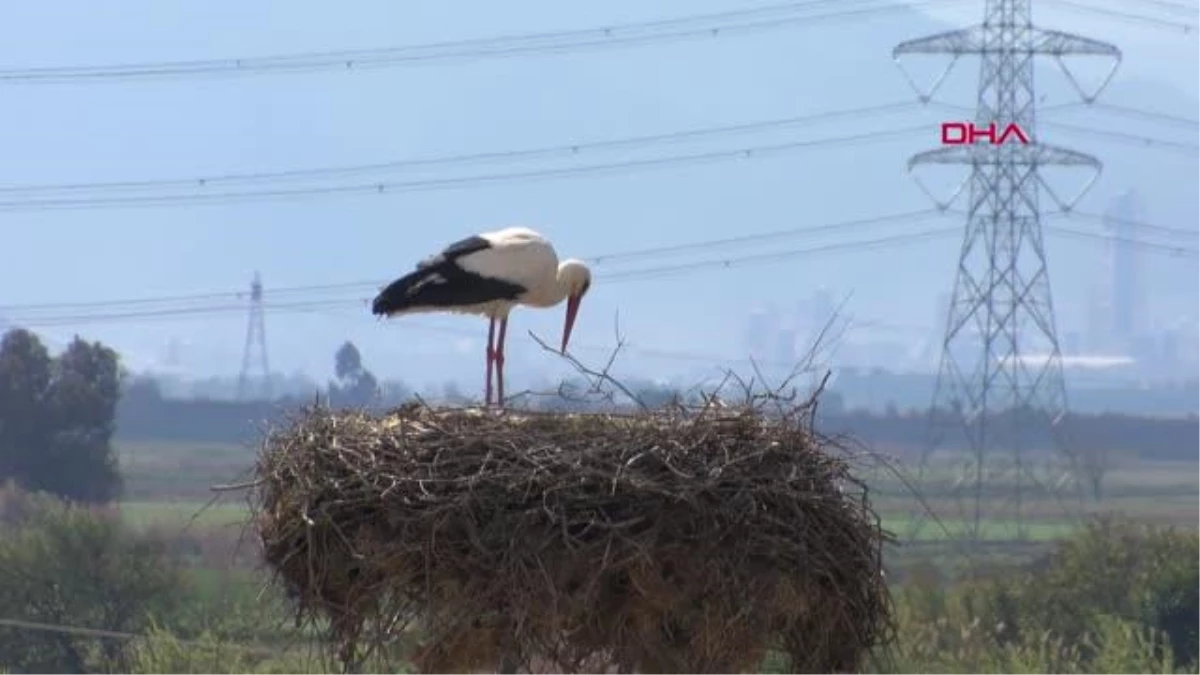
x,y
488,274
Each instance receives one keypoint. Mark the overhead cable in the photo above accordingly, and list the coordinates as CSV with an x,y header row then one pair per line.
x,y
549,42
544,152
221,303
423,185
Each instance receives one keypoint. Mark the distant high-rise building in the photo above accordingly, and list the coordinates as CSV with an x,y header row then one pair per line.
x,y
760,331
173,358
1170,351
1098,321
1126,312
820,310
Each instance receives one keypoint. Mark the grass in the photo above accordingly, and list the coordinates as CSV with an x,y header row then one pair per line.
x,y
172,470
990,529
225,515
168,485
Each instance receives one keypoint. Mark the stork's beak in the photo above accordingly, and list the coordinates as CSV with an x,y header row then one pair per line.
x,y
572,310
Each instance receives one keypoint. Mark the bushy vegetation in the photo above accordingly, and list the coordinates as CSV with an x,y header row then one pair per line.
x,y
1117,597
65,570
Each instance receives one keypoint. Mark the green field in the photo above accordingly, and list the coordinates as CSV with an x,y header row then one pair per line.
x,y
172,470
219,515
169,487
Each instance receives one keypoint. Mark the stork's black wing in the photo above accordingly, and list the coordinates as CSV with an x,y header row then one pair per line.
x,y
456,250
439,282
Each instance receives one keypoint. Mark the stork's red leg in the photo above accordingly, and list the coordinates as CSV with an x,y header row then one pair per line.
x,y
491,357
500,361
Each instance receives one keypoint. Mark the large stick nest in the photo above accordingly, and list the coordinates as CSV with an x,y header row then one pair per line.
x,y
664,542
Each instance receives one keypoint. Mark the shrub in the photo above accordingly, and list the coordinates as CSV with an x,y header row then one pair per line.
x,y
1117,597
80,568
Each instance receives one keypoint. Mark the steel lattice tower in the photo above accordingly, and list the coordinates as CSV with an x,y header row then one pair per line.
x,y
1000,382
256,347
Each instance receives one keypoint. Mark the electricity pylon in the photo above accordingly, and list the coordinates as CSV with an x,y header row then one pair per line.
x,y
256,346
1000,386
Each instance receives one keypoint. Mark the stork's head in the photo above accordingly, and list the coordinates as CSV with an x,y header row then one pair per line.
x,y
575,277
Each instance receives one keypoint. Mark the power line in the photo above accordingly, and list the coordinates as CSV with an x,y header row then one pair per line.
x,y
1149,114
644,274
628,275
313,305
1169,6
339,306
1139,224
570,149
1138,139
395,187
664,30
193,311
1130,17
776,256
764,236
310,289
180,301
191,297
1145,141
1181,251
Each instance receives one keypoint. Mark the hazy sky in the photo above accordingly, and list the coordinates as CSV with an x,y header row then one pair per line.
x,y
194,127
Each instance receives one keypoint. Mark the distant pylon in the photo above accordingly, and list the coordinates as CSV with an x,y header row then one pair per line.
x,y
1000,382
255,350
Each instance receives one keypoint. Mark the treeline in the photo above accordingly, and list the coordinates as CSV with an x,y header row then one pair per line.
x,y
145,413
1143,437
149,417
876,389
65,405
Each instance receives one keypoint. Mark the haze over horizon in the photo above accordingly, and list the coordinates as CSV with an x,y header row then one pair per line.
x,y
677,321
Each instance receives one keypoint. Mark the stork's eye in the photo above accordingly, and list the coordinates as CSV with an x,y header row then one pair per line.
x,y
584,288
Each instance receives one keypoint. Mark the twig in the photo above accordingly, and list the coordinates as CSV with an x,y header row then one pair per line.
x,y
236,486
596,376
813,399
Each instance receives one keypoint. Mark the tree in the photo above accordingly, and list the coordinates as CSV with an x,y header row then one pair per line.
x,y
24,384
57,417
347,361
355,385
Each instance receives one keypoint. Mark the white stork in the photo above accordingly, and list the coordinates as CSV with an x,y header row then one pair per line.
x,y
489,274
